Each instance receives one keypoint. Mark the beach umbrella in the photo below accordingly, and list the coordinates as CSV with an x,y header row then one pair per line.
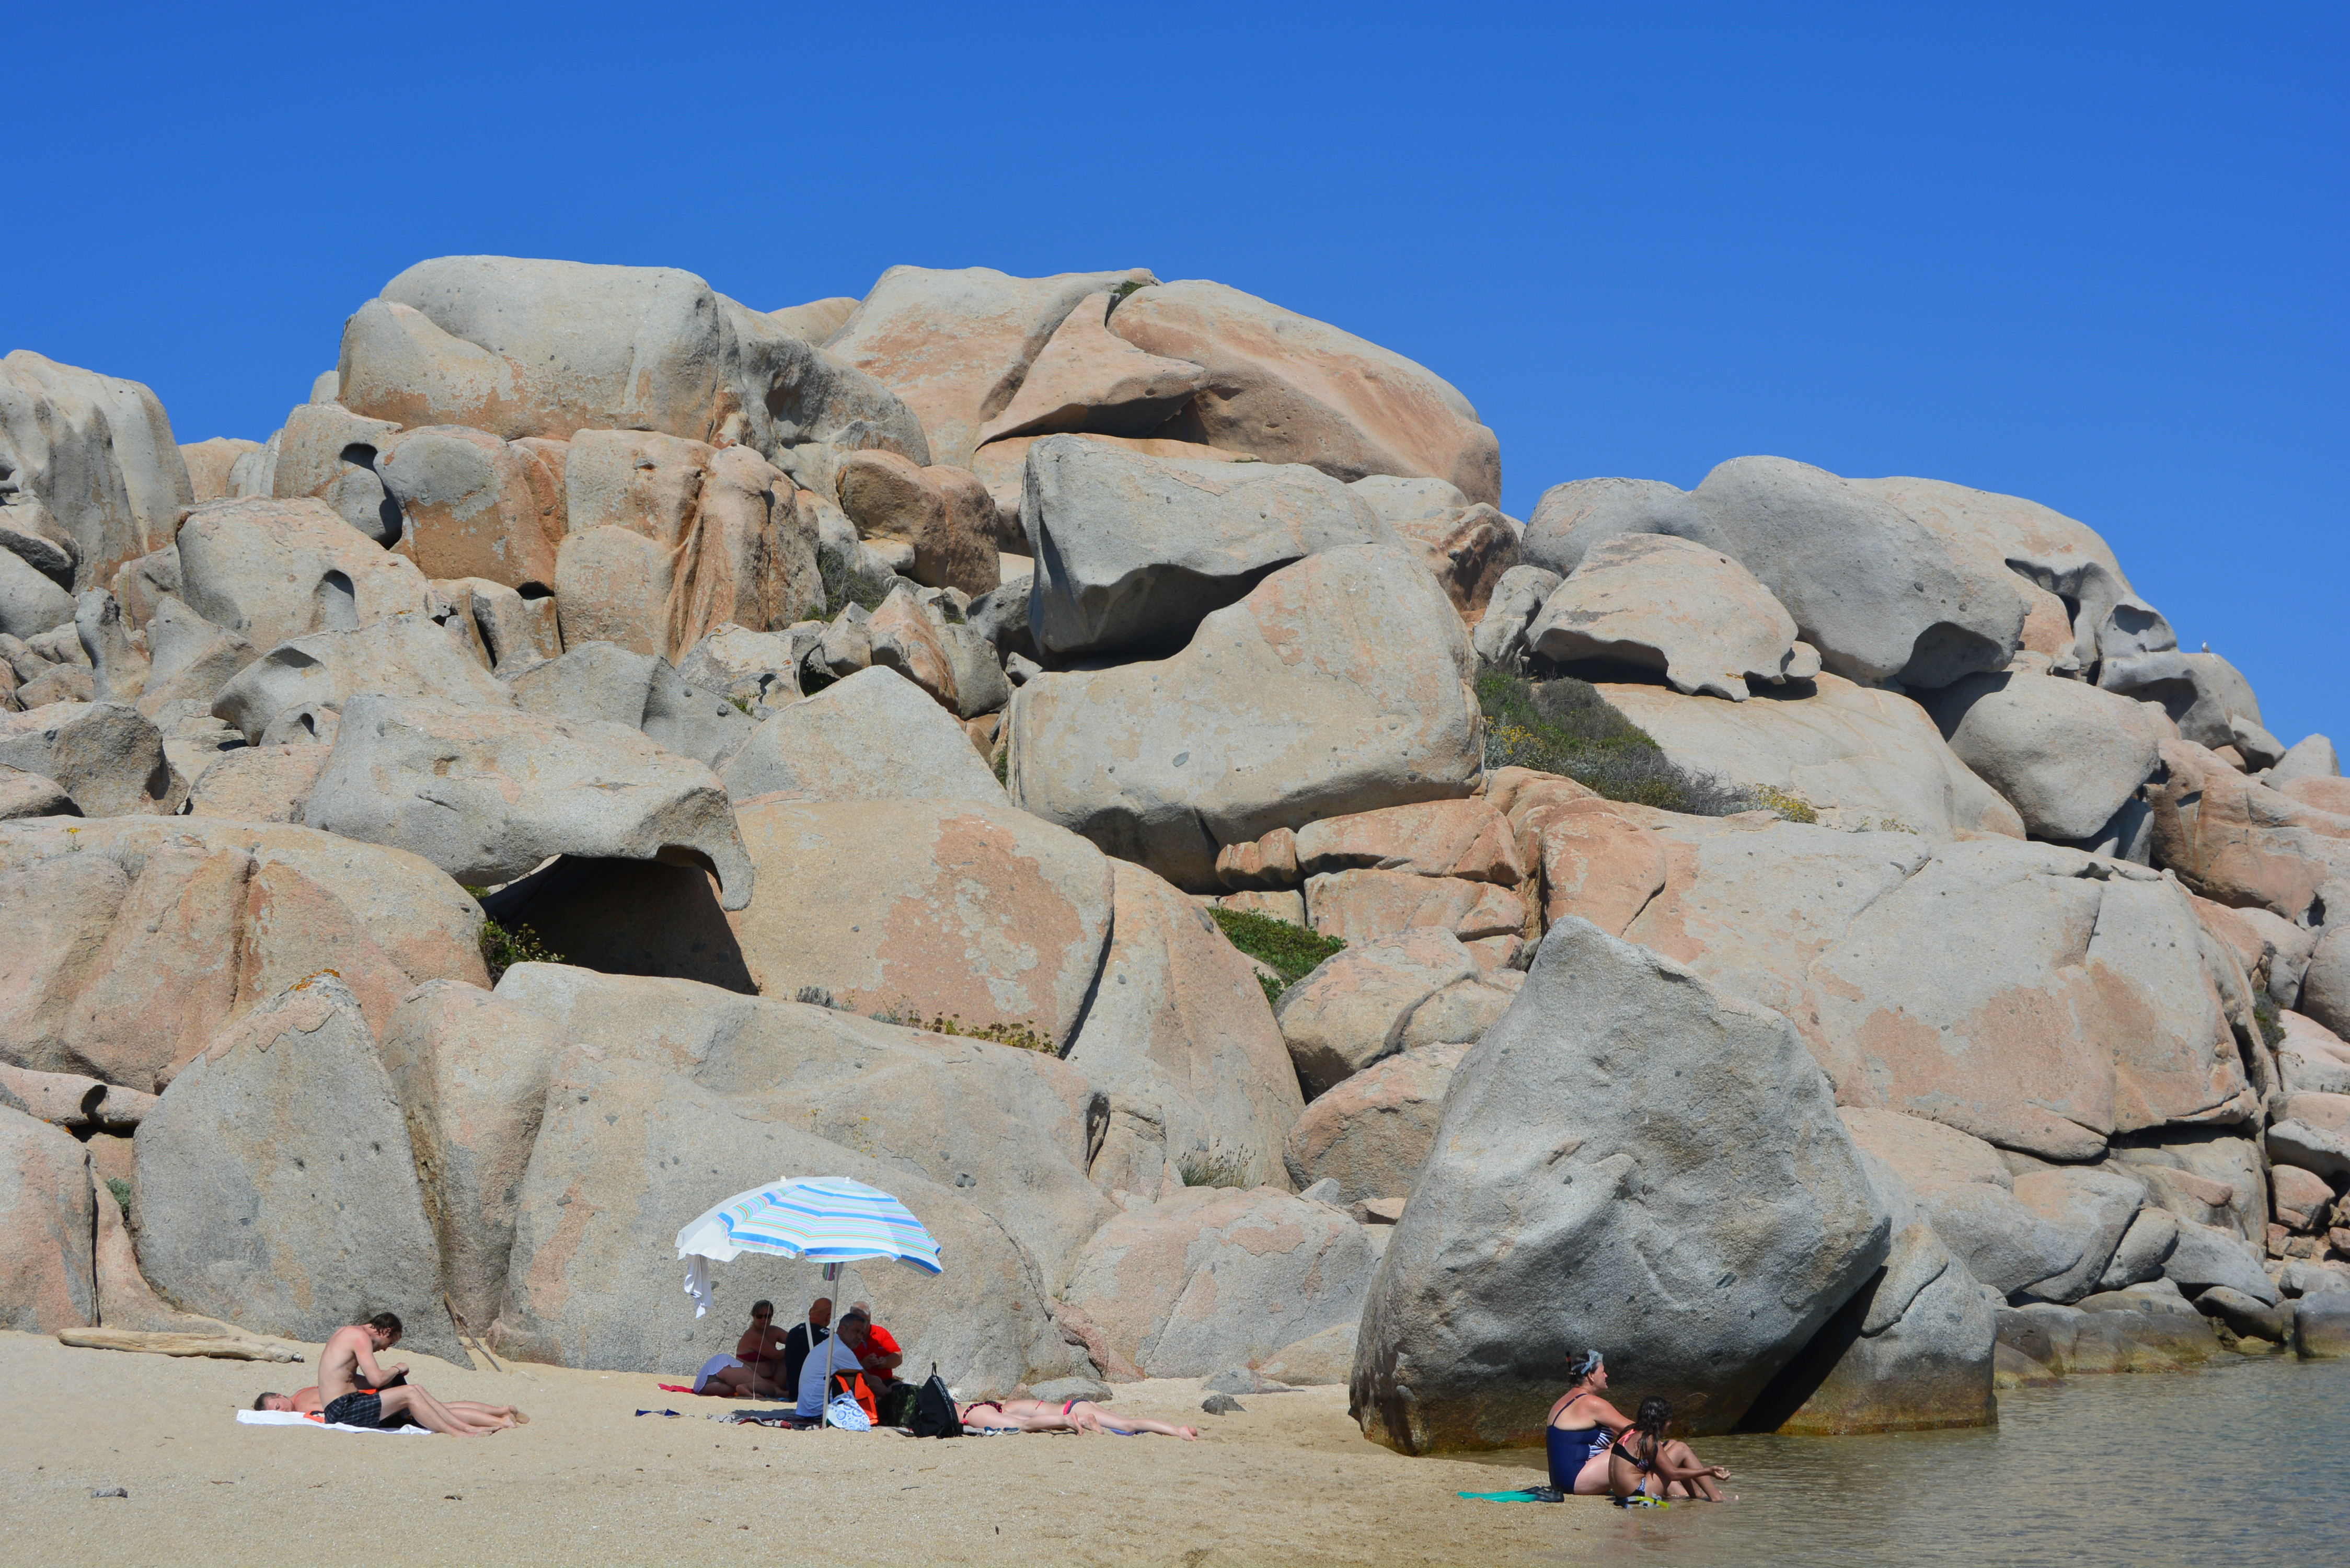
x,y
829,1218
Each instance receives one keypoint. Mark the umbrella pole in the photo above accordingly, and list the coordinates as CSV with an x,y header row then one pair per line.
x,y
831,1277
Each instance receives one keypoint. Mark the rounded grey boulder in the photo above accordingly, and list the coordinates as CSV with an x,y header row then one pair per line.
x,y
1632,1160
2065,754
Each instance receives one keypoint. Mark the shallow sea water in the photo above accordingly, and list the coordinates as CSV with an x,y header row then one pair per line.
x,y
2245,1464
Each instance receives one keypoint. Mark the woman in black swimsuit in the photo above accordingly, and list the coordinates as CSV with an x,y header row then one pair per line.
x,y
1645,1462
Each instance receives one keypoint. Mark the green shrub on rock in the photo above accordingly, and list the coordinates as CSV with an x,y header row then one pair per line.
x,y
501,948
1291,951
1564,726
1199,1169
844,584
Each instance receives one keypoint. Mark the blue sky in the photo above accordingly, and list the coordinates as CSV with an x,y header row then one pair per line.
x,y
2094,256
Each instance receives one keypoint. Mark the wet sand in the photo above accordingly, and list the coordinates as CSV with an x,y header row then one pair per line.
x,y
1290,1481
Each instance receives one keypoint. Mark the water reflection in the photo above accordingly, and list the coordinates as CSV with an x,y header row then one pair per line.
x,y
2245,1463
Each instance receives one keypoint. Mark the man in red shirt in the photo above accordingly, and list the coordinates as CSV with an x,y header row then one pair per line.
x,y
881,1356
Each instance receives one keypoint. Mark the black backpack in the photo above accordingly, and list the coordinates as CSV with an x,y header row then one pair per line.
x,y
934,1409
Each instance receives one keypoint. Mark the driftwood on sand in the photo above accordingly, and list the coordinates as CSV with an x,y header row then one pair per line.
x,y
222,1346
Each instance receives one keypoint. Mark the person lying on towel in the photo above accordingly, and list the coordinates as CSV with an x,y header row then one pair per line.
x,y
359,1393
1070,1416
307,1402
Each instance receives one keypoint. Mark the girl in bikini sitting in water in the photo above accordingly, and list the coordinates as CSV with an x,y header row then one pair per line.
x,y
1644,1463
1071,1416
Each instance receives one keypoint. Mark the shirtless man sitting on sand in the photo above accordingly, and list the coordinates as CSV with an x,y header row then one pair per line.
x,y
1071,1416
307,1402
358,1393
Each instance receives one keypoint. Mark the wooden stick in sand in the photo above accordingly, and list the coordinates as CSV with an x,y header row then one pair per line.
x,y
468,1338
225,1347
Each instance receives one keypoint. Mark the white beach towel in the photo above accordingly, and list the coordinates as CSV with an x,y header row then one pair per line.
x,y
290,1418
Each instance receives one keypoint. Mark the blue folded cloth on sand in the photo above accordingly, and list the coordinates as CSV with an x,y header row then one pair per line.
x,y
657,1412
1523,1494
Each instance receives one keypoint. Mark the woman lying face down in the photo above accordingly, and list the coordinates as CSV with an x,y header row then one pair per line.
x,y
1072,1415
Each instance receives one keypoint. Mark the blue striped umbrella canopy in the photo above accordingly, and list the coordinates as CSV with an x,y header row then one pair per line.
x,y
827,1217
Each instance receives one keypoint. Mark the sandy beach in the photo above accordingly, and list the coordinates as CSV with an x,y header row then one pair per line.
x,y
1289,1481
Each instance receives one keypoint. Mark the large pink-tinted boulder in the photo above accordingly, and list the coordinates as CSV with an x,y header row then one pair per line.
x,y
47,1282
2242,843
1372,1132
1464,839
1595,863
1358,1005
671,539
1749,901
2085,1000
1290,388
1179,1036
931,909
1358,906
1088,378
136,940
943,512
1206,1278
472,505
2079,1006
956,344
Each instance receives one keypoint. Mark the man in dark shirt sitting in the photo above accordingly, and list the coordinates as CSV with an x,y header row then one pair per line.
x,y
796,1343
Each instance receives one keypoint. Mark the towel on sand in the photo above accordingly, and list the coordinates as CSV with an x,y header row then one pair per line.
x,y
288,1418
